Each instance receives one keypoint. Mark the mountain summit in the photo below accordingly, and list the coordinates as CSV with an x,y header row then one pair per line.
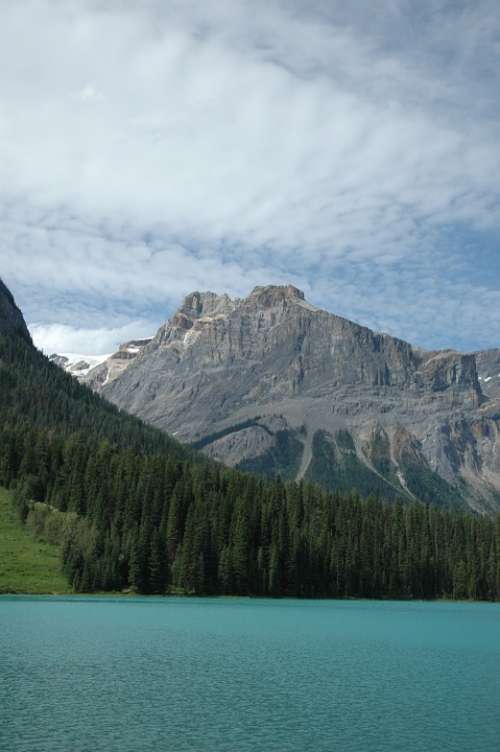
x,y
273,384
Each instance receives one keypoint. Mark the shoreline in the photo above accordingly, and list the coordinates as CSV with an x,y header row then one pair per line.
x,y
166,596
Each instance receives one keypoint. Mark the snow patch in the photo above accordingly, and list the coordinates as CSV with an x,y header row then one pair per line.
x,y
88,362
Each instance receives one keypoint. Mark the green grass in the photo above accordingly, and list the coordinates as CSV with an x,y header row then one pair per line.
x,y
26,565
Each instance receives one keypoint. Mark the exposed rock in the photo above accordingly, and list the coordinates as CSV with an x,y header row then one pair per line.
x,y
271,383
488,367
76,364
98,370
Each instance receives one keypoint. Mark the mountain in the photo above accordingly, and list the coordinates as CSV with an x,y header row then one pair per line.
x,y
128,507
272,384
488,367
76,364
98,370
11,318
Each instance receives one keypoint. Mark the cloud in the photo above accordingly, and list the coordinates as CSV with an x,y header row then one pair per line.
x,y
149,148
61,338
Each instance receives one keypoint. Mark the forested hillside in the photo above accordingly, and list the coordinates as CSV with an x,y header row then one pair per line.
x,y
132,508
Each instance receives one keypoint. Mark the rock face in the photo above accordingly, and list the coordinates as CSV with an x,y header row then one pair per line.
x,y
272,384
488,368
11,318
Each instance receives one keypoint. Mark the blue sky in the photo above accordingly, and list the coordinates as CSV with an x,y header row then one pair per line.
x,y
148,149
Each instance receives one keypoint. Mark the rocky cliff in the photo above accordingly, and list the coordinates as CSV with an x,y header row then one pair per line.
x,y
272,384
488,368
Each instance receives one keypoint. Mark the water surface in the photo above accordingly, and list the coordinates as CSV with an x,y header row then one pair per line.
x,y
238,675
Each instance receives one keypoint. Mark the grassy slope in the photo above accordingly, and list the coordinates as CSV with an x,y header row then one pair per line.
x,y
26,565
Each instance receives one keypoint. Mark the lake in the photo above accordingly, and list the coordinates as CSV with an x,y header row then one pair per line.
x,y
234,675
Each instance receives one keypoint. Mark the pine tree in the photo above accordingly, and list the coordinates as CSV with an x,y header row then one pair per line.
x,y
157,564
138,568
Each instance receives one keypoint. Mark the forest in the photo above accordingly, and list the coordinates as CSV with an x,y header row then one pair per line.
x,y
134,510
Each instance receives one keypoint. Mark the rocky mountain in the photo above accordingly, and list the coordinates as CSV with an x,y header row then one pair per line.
x,y
76,364
11,318
98,370
269,383
488,367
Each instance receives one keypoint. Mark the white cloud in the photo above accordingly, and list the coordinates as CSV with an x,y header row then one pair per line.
x,y
60,338
149,148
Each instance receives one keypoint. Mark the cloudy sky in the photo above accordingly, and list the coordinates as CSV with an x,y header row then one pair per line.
x,y
150,148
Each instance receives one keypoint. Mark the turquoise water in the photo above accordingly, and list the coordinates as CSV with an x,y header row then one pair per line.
x,y
133,675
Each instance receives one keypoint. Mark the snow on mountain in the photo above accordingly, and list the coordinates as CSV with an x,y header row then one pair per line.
x,y
98,370
78,364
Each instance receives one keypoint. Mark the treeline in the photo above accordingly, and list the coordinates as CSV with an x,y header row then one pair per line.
x,y
133,509
157,525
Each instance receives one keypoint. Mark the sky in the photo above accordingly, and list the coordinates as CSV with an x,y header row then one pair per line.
x,y
155,147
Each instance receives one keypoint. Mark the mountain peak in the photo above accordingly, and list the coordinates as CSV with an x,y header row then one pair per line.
x,y
271,294
198,304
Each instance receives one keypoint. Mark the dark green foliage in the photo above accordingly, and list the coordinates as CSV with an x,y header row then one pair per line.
x,y
345,441
336,467
283,459
427,485
380,453
133,509
21,498
35,392
250,423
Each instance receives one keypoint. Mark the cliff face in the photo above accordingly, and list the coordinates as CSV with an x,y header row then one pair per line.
x,y
488,368
111,368
272,384
11,318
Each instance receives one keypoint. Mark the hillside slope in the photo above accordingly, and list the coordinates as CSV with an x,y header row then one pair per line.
x,y
11,318
26,565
